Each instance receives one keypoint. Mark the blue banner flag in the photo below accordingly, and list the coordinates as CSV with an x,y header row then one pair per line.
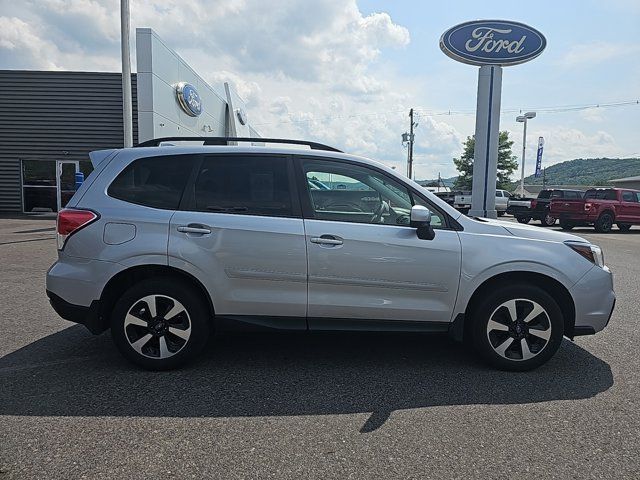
x,y
539,157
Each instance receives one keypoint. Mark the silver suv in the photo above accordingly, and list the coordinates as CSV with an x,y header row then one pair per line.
x,y
165,244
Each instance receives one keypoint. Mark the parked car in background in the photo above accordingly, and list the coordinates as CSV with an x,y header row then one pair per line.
x,y
164,245
527,209
462,201
600,207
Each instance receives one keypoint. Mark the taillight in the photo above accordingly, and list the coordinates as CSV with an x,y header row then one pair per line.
x,y
534,203
70,221
587,207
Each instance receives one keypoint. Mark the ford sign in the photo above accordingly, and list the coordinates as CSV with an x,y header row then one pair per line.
x,y
492,42
189,99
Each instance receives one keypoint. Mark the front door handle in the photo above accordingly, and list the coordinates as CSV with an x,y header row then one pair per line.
x,y
327,240
194,228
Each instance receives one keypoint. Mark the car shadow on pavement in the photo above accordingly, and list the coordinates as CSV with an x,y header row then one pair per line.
x,y
72,373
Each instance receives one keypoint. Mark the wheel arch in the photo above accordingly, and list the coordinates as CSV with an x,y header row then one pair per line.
x,y
124,279
549,284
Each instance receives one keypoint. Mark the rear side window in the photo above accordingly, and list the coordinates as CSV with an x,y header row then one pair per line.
x,y
154,181
601,194
246,185
571,195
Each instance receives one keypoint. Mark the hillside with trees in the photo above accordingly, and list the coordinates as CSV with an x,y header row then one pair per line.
x,y
586,171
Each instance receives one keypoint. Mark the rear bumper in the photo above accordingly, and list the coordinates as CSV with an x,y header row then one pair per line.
x,y
89,316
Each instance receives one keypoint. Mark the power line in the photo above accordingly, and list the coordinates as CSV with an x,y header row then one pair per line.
x,y
433,113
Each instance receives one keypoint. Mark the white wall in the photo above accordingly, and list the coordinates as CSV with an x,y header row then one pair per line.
x,y
159,113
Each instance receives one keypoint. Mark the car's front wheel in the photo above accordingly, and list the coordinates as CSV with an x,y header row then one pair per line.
x,y
524,220
160,324
624,227
517,328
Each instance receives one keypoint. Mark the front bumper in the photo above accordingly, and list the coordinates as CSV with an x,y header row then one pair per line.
x,y
594,301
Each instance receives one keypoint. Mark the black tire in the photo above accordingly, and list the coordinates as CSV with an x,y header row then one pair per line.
x,y
168,293
604,223
564,225
487,341
500,213
624,227
524,220
548,220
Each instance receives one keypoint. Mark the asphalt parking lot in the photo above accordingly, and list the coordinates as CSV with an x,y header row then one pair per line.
x,y
309,406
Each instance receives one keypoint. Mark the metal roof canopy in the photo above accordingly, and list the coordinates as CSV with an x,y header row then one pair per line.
x,y
225,141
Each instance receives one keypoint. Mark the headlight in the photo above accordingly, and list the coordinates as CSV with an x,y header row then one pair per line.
x,y
593,253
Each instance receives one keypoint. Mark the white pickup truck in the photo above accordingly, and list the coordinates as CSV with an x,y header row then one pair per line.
x,y
462,201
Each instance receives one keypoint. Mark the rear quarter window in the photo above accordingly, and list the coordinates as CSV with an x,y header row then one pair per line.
x,y
156,182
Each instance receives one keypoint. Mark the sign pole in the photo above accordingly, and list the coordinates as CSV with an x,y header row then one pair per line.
x,y
127,115
485,157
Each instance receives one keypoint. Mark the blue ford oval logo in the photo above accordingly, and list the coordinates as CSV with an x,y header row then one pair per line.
x,y
492,42
189,99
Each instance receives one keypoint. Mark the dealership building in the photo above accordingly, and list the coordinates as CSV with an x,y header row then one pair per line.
x,y
51,120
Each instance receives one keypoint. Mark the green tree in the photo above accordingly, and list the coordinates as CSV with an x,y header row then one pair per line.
x,y
507,163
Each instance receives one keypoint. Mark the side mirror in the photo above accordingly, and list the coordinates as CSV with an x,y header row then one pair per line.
x,y
420,218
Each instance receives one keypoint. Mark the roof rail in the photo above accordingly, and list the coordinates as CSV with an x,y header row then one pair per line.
x,y
225,141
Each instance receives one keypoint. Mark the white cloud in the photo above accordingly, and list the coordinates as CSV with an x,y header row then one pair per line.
x,y
591,54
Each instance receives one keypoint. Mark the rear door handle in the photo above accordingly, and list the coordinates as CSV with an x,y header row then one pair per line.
x,y
194,228
327,240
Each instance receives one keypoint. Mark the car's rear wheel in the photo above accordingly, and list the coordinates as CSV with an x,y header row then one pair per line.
x,y
517,328
160,324
565,225
548,220
624,227
524,220
604,223
500,213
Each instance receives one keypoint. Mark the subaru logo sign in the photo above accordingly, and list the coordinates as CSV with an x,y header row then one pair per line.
x,y
492,42
189,99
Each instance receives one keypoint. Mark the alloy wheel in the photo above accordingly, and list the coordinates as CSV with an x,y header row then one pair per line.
x,y
519,329
157,326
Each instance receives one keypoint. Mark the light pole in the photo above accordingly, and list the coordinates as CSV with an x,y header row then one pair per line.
x,y
126,74
523,119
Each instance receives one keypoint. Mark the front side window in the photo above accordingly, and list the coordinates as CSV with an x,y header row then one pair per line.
x,y
360,195
245,185
629,197
154,181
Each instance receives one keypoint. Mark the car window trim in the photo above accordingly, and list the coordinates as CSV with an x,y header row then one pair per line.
x,y
189,203
309,213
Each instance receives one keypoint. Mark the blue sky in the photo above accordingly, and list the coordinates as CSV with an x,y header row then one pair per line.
x,y
591,57
346,72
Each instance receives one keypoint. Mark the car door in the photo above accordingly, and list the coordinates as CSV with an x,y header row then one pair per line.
x,y
629,207
365,263
240,231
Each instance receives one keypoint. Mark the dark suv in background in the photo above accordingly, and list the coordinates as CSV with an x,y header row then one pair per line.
x,y
538,208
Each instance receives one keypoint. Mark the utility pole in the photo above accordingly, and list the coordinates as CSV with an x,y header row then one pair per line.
x,y
410,160
127,113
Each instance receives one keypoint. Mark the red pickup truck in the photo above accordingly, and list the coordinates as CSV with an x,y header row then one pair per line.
x,y
600,207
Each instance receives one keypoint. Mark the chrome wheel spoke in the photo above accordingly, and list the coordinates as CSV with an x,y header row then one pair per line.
x,y
493,325
150,300
502,348
133,320
183,334
175,310
513,312
141,342
526,353
543,334
537,310
164,349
